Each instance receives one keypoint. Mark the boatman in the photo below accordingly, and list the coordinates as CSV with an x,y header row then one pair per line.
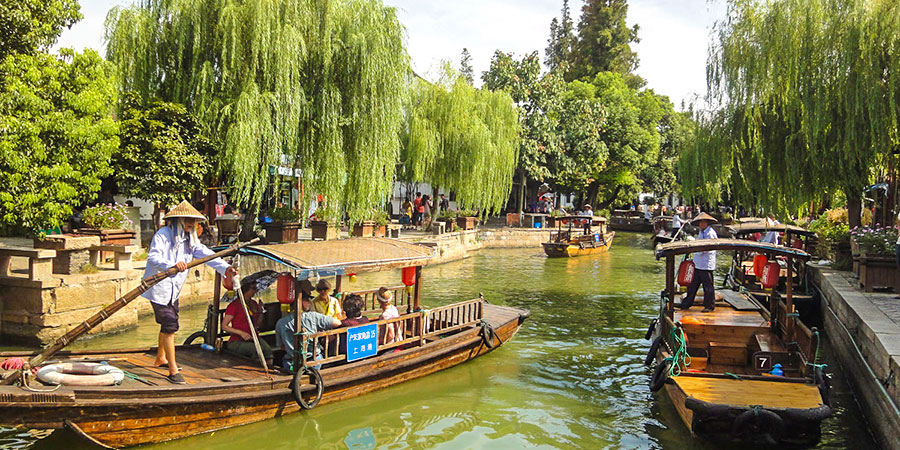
x,y
677,222
704,265
175,244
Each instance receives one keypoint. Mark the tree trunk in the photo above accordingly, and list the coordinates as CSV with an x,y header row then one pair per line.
x,y
854,206
606,203
435,203
247,232
155,216
522,192
591,197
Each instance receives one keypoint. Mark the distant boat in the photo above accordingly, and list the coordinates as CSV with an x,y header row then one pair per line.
x,y
574,242
626,220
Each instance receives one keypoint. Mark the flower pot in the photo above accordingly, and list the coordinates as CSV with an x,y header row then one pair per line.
x,y
380,230
878,271
109,237
466,223
323,231
282,232
363,229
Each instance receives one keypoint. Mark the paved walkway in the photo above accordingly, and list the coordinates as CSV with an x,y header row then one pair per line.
x,y
888,303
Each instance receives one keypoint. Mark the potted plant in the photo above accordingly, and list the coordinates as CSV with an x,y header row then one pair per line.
x,y
467,219
285,225
110,222
832,229
448,217
876,261
323,229
381,221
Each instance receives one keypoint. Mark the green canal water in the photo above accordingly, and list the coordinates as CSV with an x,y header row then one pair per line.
x,y
571,378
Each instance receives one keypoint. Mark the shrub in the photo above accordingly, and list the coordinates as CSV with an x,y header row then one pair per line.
x,y
876,240
106,216
284,214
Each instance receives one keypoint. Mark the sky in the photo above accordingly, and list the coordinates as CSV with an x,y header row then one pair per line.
x,y
674,35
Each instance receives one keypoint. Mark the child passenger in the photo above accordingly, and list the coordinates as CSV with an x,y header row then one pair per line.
x,y
389,311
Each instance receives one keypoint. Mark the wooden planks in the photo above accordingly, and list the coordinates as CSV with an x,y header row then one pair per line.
x,y
745,393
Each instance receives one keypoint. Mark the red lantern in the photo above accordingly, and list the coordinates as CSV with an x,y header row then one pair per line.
x,y
286,289
759,261
409,276
686,273
228,282
770,274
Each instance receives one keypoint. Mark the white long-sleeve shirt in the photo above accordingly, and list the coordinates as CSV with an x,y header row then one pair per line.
x,y
706,260
165,252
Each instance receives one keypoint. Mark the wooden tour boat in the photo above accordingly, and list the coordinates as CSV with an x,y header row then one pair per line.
x,y
717,367
224,390
626,220
574,242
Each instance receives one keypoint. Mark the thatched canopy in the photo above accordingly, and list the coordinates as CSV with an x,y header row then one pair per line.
x,y
346,255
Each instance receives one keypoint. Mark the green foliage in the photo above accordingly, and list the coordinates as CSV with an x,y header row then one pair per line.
x,y
27,26
162,156
110,216
462,139
875,240
603,44
831,227
562,41
808,94
467,213
56,136
318,82
284,214
465,67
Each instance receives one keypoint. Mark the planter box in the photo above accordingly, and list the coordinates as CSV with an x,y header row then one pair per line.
x,y
363,229
466,223
72,251
380,230
323,231
513,220
109,237
843,258
282,232
854,250
878,271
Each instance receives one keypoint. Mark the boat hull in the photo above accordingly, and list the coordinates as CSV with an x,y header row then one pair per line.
x,y
118,418
567,250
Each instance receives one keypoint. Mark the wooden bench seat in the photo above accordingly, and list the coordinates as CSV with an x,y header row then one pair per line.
x,y
769,343
122,255
40,261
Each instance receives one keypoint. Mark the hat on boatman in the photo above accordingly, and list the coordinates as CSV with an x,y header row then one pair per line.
x,y
704,216
184,210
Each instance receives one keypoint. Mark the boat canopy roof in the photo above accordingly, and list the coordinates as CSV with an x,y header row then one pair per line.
x,y
336,257
762,226
575,217
703,245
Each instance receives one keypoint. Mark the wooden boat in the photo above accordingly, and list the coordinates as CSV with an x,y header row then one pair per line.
x,y
626,220
224,390
574,242
716,367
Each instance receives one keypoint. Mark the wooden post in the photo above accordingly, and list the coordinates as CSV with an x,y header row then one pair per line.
x,y
670,287
418,289
212,317
337,284
789,285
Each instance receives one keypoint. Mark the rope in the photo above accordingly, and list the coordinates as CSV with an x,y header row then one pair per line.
x,y
680,357
736,377
25,375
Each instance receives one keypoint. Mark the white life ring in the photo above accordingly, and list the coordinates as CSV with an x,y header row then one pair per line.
x,y
81,374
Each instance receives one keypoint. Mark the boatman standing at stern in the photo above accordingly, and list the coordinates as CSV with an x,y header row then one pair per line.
x,y
175,244
704,267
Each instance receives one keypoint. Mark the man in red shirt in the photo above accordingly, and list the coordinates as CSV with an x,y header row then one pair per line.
x,y
235,323
418,209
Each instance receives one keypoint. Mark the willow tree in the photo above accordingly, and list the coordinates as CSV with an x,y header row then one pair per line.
x,y
316,83
807,94
462,139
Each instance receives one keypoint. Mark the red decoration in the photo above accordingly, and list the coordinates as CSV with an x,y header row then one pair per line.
x,y
286,290
759,261
686,273
770,274
228,282
409,276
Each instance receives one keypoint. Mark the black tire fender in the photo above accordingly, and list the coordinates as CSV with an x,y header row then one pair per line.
x,y
194,336
651,328
296,385
488,335
654,349
756,421
660,375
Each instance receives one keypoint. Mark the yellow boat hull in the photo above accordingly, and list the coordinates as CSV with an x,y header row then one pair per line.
x,y
569,250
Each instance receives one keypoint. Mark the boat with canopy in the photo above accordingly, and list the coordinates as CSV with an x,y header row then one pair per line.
x,y
566,243
224,390
742,371
628,220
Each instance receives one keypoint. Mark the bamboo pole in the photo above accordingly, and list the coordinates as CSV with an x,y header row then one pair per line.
x,y
109,310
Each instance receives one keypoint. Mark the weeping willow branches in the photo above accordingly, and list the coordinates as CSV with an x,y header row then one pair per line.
x,y
462,139
808,92
317,83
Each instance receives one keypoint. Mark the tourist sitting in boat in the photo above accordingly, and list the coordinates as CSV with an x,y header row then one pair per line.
x,y
236,325
326,304
388,311
353,307
704,267
311,321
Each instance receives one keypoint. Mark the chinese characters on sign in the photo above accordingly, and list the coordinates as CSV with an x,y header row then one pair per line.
x,y
362,342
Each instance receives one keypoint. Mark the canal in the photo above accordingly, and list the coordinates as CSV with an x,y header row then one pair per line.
x,y
571,378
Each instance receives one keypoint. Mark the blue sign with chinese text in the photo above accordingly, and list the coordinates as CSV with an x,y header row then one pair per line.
x,y
362,342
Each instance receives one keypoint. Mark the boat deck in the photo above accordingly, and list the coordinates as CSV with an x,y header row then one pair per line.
x,y
746,393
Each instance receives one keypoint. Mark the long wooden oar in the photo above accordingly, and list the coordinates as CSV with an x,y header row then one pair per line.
x,y
109,310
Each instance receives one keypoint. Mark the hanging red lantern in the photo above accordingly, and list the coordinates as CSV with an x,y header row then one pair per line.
x,y
770,274
286,289
352,277
228,282
409,276
686,273
759,261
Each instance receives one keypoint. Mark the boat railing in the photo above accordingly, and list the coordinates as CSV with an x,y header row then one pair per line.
x,y
559,236
401,296
414,328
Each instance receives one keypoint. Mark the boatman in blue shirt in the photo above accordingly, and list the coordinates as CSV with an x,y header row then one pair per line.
x,y
704,267
175,244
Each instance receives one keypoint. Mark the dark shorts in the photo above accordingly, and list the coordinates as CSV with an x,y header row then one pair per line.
x,y
166,317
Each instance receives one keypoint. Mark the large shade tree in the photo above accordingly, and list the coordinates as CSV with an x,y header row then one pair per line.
x,y
807,94
317,83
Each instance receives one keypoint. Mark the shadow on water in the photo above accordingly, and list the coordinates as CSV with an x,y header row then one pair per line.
x,y
572,378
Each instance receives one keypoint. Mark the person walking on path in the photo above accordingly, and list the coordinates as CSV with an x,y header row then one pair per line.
x,y
175,244
704,266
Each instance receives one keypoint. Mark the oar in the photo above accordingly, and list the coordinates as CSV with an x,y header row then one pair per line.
x,y
109,310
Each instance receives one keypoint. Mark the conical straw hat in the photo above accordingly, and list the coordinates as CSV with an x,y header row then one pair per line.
x,y
184,210
704,216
